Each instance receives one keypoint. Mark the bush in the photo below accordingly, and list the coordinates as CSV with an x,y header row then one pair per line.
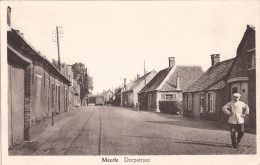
x,y
171,107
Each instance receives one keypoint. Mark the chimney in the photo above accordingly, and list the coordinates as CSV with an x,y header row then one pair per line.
x,y
171,61
138,76
214,59
9,16
178,81
124,82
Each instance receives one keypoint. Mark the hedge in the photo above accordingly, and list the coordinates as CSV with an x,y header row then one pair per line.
x,y
171,107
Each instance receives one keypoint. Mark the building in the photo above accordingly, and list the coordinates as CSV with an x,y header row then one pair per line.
x,y
108,96
168,84
207,92
37,91
117,96
130,91
217,85
241,77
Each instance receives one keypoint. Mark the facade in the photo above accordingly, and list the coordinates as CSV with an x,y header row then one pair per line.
x,y
37,91
168,84
130,91
205,95
242,75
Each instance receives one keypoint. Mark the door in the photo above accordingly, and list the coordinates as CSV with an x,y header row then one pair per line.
x,y
244,92
15,104
241,88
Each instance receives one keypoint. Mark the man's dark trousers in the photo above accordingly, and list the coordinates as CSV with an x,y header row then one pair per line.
x,y
240,129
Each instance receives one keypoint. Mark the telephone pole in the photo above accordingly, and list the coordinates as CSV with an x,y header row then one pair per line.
x,y
58,46
56,38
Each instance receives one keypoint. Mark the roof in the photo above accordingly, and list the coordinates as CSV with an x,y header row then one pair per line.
x,y
187,74
156,81
20,42
249,29
213,78
132,85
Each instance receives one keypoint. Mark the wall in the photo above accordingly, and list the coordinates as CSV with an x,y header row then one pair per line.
x,y
196,104
242,68
128,97
37,96
141,85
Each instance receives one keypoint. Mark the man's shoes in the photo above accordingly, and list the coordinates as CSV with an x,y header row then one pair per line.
x,y
235,146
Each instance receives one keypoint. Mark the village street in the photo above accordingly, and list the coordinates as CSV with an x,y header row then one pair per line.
x,y
108,130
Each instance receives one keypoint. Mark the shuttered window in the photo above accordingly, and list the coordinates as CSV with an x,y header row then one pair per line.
x,y
189,101
163,97
212,102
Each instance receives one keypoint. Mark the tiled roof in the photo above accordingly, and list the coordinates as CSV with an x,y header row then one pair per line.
x,y
156,81
187,75
212,78
14,37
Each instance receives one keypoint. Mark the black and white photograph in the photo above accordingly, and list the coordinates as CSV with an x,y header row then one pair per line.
x,y
129,82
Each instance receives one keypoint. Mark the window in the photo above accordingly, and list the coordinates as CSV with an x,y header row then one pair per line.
x,y
189,101
212,102
169,97
163,97
253,60
202,100
149,100
52,95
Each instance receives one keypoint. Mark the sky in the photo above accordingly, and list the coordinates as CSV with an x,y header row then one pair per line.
x,y
113,39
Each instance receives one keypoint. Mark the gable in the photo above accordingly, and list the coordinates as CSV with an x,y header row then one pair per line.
x,y
187,76
243,61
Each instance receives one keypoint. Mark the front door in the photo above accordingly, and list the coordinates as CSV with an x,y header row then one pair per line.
x,y
15,104
241,88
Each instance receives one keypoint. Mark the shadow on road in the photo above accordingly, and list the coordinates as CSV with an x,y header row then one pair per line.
x,y
194,124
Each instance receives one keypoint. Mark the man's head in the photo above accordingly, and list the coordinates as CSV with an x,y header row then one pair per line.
x,y
236,97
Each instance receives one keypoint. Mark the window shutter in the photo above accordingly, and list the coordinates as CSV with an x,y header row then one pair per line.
x,y
163,97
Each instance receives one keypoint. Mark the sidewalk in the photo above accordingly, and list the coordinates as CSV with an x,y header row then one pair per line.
x,y
30,146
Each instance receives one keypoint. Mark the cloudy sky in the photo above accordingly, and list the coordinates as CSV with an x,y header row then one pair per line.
x,y
114,38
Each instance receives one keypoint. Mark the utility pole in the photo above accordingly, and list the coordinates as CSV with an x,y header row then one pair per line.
x,y
57,34
58,46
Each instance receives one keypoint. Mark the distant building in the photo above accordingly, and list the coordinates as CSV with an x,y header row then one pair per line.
x,y
130,91
117,96
168,84
108,96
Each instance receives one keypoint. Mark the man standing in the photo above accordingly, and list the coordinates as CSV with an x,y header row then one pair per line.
x,y
236,110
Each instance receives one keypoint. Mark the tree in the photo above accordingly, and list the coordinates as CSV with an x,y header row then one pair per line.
x,y
83,78
55,63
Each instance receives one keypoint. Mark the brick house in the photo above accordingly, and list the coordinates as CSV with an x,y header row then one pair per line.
x,y
36,90
207,93
168,84
241,77
130,91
